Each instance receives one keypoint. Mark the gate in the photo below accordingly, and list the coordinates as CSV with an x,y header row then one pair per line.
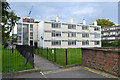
x,y
27,52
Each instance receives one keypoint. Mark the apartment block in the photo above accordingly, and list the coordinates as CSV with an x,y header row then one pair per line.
x,y
111,34
56,34
27,33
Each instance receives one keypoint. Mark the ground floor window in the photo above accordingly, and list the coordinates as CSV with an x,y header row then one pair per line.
x,y
97,42
72,42
86,42
56,42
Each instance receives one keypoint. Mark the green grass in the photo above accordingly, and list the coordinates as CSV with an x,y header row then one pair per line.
x,y
13,62
73,55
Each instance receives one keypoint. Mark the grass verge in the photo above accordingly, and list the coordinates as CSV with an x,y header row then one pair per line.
x,y
13,62
73,55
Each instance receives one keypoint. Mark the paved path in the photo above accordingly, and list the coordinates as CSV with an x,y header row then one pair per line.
x,y
44,64
50,70
73,72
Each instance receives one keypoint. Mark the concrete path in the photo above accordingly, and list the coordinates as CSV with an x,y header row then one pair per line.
x,y
43,64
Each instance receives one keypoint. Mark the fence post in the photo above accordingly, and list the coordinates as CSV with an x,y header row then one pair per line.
x,y
41,51
55,55
66,56
47,52
12,49
32,52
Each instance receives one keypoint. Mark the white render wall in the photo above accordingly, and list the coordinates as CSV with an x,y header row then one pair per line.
x,y
41,34
64,29
35,32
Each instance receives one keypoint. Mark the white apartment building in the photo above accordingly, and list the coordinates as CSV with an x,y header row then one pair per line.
x,y
56,34
27,33
111,34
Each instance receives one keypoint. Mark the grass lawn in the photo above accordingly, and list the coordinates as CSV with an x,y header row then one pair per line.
x,y
13,62
73,55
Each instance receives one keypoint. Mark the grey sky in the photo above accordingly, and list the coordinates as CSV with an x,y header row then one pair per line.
x,y
65,10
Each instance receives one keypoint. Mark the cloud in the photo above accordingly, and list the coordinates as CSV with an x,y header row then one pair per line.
x,y
78,10
85,10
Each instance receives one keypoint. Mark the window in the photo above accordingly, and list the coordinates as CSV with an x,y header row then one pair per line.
x,y
56,34
85,42
71,34
19,27
85,27
18,41
31,25
56,43
96,35
72,42
31,33
18,37
19,33
96,29
71,26
31,37
85,35
97,42
56,25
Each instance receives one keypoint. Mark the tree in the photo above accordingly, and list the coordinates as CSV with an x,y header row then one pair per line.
x,y
8,21
116,43
104,23
105,43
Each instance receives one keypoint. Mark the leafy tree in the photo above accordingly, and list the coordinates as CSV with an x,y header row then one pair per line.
x,y
105,43
116,43
8,21
104,23
112,44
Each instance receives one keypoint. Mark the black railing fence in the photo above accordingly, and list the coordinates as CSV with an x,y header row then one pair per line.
x,y
21,57
27,52
61,56
17,59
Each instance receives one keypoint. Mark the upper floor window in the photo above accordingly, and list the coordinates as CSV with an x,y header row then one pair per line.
x,y
57,42
56,34
85,27
96,35
86,42
56,25
31,27
86,35
71,34
96,28
19,27
72,42
71,26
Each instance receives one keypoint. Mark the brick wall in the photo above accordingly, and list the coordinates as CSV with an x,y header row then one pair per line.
x,y
104,60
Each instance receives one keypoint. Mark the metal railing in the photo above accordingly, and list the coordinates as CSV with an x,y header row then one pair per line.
x,y
61,56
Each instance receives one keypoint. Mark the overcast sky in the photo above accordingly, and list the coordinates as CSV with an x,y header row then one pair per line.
x,y
66,10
